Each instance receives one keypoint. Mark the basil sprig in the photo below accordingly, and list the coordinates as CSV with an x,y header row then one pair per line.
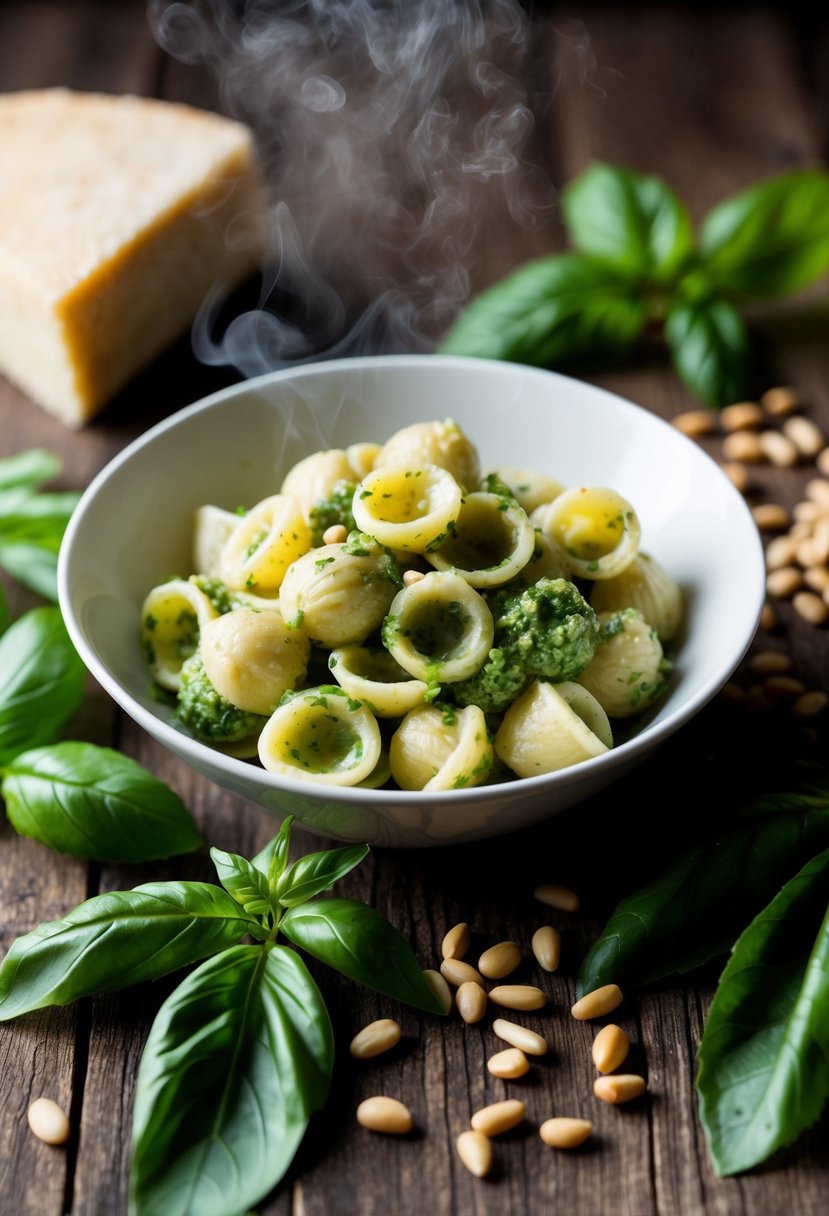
x,y
637,264
32,522
240,1054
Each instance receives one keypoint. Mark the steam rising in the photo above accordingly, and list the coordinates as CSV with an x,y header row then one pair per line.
x,y
392,135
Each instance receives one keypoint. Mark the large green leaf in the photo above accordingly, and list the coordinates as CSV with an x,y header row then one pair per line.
x,y
556,309
317,872
696,908
31,469
357,941
116,940
95,802
244,882
41,681
238,1058
764,1055
709,348
634,222
772,238
33,566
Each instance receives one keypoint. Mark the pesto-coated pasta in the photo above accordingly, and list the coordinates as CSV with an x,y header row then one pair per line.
x,y
211,532
439,629
530,488
323,735
252,658
550,727
263,544
172,616
437,443
645,585
339,594
491,542
312,479
407,507
374,676
440,749
625,673
597,528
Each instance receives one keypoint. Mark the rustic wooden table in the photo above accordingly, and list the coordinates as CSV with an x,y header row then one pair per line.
x,y
711,99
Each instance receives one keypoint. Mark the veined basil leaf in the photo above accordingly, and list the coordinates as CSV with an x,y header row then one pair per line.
x,y
237,1060
116,940
41,681
772,238
709,348
31,468
33,566
764,1056
271,861
95,802
695,910
552,310
317,872
634,222
355,940
243,881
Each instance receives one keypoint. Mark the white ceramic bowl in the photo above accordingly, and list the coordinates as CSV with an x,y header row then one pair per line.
x,y
132,530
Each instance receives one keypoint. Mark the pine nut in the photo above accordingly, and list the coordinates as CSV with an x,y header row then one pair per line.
x,y
456,973
805,435
562,1132
810,607
743,447
439,987
475,1151
732,693
780,402
375,1038
518,996
801,528
768,618
499,1117
412,576
779,449
757,700
808,511
546,946
737,474
813,551
499,960
509,1064
822,462
48,1121
783,583
817,491
335,535
741,416
694,423
781,551
770,663
522,1037
471,1001
381,1114
816,577
598,1002
557,896
620,1087
610,1048
456,942
784,688
770,516
810,705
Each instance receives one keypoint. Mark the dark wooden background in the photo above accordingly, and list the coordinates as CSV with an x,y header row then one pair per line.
x,y
711,97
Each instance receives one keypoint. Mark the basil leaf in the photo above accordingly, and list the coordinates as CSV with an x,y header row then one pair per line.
x,y
5,616
237,1060
709,348
31,468
695,910
41,681
274,857
634,222
33,566
38,518
550,311
355,940
241,879
317,872
95,802
115,940
772,238
764,1056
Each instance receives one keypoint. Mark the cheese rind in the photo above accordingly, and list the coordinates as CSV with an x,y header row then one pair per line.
x,y
120,215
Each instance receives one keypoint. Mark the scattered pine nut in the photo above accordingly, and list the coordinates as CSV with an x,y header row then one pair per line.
x,y
817,491
813,551
475,1151
779,449
500,960
439,987
610,1048
456,942
822,462
598,1002
806,510
695,423
620,1087
562,1132
456,972
810,705
732,693
375,1038
770,663
557,896
784,688
546,946
743,447
768,618
742,416
335,535
737,474
801,528
48,1121
805,435
518,996
757,700
816,577
771,516
780,402
412,576
499,1117
522,1037
810,607
508,1064
471,1001
382,1114
783,583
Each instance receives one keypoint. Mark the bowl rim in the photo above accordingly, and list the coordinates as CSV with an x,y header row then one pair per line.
x,y
183,744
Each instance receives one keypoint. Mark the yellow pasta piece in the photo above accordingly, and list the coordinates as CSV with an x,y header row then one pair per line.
x,y
407,507
375,677
439,629
439,443
322,735
251,658
211,533
172,616
491,542
550,727
441,749
597,528
529,488
263,544
645,585
339,595
312,479
625,673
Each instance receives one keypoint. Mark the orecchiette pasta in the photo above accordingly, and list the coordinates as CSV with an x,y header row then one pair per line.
x,y
321,734
313,478
211,533
437,443
374,676
435,749
625,674
263,544
338,595
645,585
252,658
439,629
172,616
406,507
529,488
491,541
597,529
552,726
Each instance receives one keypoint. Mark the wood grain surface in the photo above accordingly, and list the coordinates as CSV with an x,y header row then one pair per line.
x,y
710,97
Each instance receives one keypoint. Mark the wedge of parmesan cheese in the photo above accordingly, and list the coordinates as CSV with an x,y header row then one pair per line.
x,y
117,216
